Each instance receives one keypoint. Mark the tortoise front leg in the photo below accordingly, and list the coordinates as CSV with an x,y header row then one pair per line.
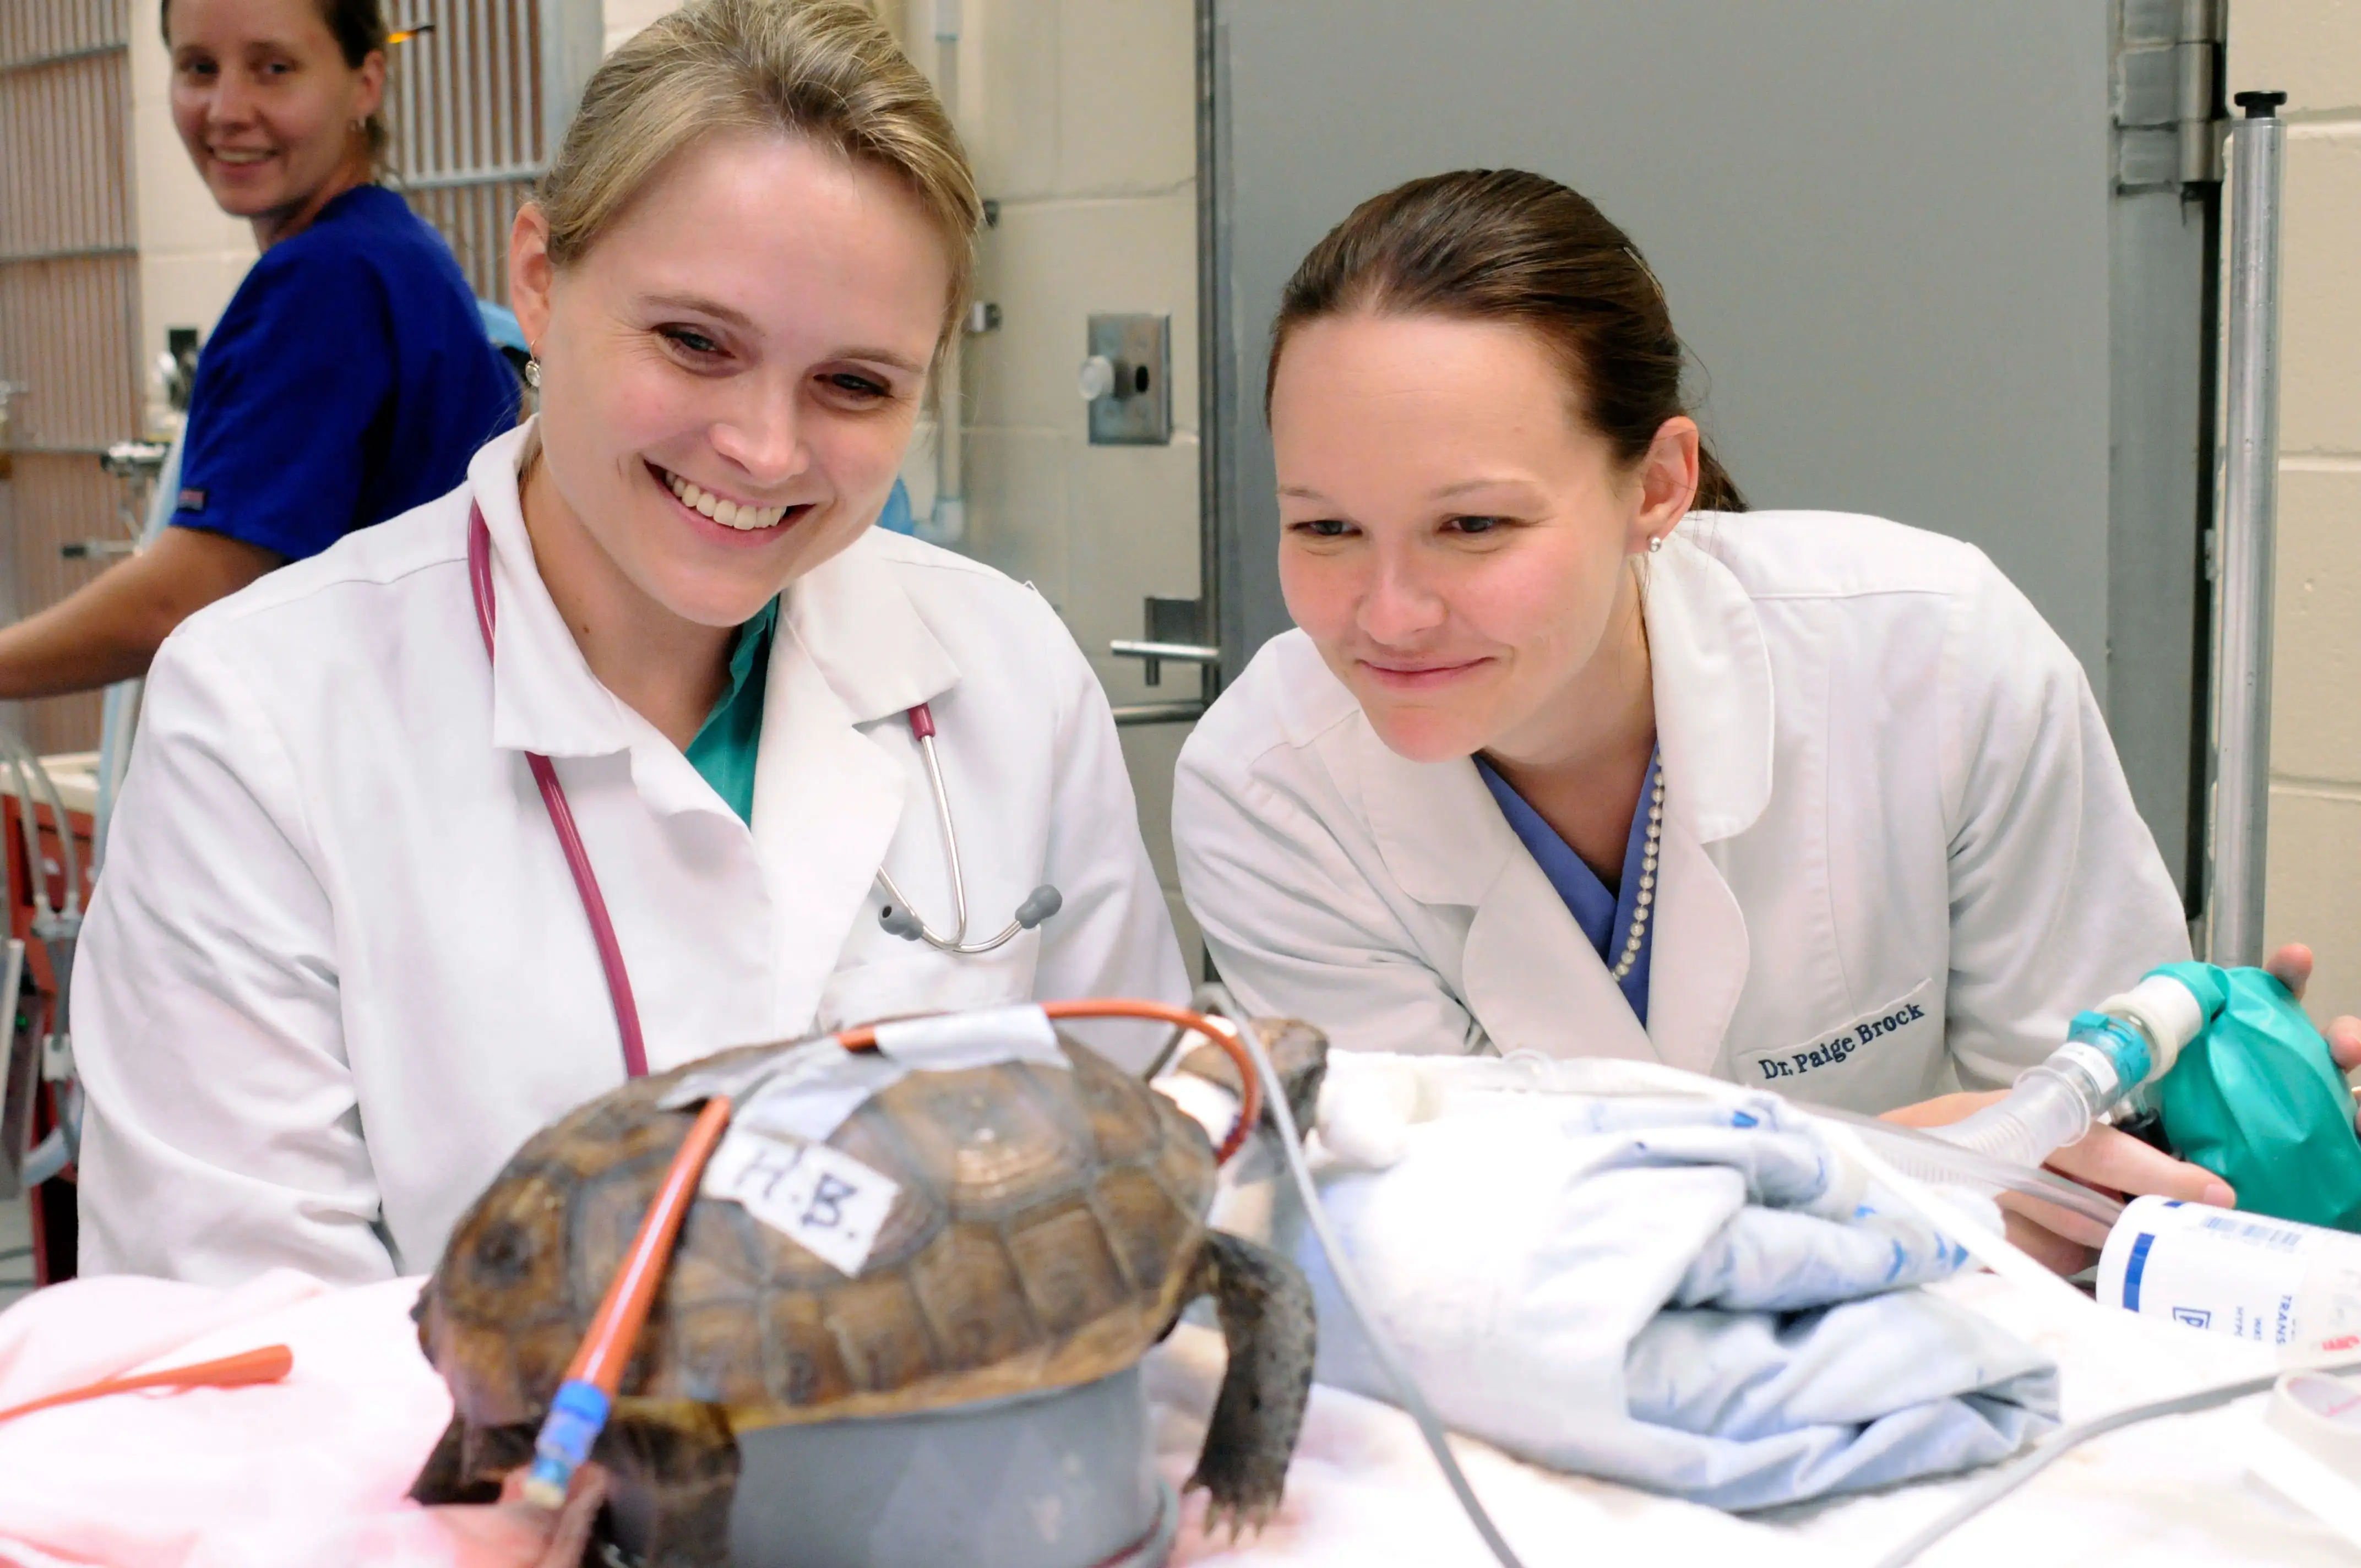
x,y
674,1469
444,1477
468,1463
1265,1306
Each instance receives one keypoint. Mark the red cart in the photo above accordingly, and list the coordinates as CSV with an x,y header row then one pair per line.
x,y
37,1073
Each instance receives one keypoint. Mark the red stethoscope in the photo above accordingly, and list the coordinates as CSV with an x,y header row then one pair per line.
x,y
897,916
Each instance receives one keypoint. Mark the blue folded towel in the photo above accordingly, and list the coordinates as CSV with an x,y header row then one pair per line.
x,y
1688,1295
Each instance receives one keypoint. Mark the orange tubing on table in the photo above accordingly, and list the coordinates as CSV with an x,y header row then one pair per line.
x,y
268,1364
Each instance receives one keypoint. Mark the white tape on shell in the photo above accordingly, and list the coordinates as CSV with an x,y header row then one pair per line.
x,y
984,1038
814,1090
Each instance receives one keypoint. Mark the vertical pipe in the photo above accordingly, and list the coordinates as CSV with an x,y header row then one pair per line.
x,y
65,83
2241,753
457,37
948,523
502,94
554,86
524,99
1208,365
526,102
467,84
42,83
450,96
401,109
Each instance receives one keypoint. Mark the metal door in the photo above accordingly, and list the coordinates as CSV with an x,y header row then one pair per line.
x,y
68,308
1948,264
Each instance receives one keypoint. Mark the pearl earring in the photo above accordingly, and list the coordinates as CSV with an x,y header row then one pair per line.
x,y
532,373
1655,544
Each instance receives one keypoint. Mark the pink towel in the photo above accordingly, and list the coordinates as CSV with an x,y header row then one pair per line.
x,y
309,1471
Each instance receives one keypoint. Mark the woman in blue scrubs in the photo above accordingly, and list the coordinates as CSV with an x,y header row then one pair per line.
x,y
349,380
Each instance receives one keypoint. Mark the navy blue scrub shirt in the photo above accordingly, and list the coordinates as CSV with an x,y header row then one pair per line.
x,y
349,381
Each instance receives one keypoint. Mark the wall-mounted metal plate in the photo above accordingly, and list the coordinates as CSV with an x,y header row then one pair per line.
x,y
1136,408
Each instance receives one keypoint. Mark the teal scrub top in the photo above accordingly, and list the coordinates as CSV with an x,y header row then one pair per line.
x,y
732,735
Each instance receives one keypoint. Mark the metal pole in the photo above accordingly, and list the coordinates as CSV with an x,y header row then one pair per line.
x,y
947,522
2242,744
1208,354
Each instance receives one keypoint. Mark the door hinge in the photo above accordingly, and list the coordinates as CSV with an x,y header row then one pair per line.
x,y
2170,123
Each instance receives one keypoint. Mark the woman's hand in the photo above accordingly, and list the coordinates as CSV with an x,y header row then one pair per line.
x,y
2293,964
513,1533
2115,1163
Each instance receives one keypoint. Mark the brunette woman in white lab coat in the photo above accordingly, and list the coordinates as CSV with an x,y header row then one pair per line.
x,y
1571,752
338,966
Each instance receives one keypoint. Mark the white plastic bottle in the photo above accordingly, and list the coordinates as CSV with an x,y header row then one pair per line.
x,y
2271,1281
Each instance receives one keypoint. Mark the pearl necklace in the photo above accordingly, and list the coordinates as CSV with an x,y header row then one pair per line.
x,y
1645,900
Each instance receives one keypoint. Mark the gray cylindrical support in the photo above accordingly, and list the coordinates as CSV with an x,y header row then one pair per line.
x,y
2241,739
1056,1478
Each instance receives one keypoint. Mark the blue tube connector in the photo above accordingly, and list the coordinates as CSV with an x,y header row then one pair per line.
x,y
576,1419
2119,1042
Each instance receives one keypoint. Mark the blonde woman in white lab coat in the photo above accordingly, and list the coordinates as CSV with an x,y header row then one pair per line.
x,y
1570,753
337,968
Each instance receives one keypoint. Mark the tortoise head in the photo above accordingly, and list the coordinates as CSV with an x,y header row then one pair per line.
x,y
1297,1052
502,1303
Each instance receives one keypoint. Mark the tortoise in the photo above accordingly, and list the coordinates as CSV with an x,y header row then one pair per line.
x,y
1049,1228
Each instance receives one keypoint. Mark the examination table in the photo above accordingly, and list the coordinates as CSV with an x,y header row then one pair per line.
x,y
313,1470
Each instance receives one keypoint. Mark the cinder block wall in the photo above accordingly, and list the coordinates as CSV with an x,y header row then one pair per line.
x,y
2311,51
1081,119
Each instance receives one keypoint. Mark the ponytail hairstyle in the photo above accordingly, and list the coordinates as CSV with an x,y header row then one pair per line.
x,y
358,26
1506,245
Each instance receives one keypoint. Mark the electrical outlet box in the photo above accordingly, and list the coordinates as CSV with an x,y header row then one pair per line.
x,y
1135,407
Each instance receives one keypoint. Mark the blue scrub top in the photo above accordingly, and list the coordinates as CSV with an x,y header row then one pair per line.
x,y
349,381
1605,918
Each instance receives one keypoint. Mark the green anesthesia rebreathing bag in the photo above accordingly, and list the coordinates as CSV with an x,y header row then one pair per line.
x,y
2257,1099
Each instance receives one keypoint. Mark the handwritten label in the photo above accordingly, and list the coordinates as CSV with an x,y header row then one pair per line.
x,y
816,1196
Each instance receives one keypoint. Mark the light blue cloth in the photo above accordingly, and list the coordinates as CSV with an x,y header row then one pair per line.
x,y
502,326
896,517
1673,1294
1604,917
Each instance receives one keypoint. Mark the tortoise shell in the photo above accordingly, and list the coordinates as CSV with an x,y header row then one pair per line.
x,y
1048,1225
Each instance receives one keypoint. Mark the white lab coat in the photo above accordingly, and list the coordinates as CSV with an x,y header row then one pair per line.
x,y
1898,850
336,970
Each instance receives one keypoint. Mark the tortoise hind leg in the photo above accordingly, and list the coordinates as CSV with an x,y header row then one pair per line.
x,y
672,1466
1265,1306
